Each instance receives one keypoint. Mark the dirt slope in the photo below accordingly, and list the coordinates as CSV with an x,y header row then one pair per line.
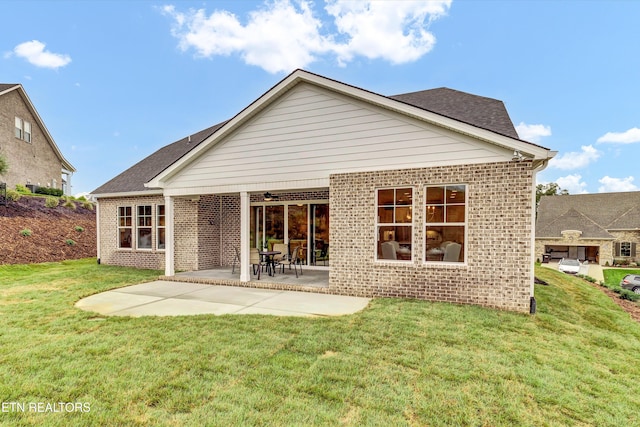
x,y
51,228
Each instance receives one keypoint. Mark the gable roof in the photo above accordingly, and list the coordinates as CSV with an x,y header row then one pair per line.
x,y
596,215
9,87
444,107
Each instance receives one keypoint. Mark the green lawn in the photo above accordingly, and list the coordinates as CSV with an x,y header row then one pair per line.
x,y
613,276
399,362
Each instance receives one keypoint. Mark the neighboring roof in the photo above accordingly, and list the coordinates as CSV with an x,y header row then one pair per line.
x,y
596,215
486,113
134,178
480,112
8,87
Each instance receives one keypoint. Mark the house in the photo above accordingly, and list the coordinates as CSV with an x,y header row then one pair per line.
x,y
424,195
599,227
34,158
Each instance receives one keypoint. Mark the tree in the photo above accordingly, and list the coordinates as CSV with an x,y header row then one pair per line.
x,y
550,189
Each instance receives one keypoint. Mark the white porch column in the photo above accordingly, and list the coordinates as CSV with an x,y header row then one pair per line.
x,y
169,246
245,218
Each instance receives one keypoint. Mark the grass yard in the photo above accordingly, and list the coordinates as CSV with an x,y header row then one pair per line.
x,y
398,362
613,276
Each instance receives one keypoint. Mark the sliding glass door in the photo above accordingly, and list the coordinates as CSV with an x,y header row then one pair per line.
x,y
297,224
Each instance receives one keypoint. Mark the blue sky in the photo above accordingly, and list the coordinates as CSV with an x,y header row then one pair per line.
x,y
116,80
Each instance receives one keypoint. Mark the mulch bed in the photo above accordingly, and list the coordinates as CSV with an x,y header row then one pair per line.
x,y
50,228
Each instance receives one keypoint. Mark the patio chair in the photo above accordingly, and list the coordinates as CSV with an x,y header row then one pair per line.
x,y
256,261
282,248
236,259
294,260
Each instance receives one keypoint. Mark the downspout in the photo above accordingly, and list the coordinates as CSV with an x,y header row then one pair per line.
x,y
98,229
532,300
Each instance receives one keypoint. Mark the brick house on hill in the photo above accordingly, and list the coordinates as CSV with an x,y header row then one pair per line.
x,y
32,154
425,195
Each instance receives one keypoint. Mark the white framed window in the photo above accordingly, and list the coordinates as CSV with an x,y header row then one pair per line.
x,y
144,223
19,127
23,129
27,131
124,227
394,224
446,223
160,227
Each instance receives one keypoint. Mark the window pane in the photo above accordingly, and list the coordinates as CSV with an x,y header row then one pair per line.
x,y
161,244
403,214
385,215
404,196
160,215
455,194
445,243
435,195
125,238
144,238
385,197
435,214
394,242
455,213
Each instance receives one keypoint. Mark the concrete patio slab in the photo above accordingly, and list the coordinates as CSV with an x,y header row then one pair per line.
x,y
165,298
112,301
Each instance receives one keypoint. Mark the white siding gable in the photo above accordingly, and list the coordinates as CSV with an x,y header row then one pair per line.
x,y
311,132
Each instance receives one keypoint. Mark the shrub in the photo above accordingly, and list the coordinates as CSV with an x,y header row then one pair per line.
x,y
78,229
14,196
629,295
51,202
22,189
81,199
26,232
49,191
69,204
70,242
87,205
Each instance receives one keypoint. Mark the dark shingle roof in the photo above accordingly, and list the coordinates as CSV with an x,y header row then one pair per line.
x,y
5,86
133,179
593,214
486,113
482,112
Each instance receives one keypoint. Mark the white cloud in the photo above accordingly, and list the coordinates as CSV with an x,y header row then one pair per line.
x,y
573,184
394,31
284,35
532,133
575,160
612,185
33,51
628,137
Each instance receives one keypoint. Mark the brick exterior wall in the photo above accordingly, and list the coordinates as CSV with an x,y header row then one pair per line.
x,y
499,231
35,161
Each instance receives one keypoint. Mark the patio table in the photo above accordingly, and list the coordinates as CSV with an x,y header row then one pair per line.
x,y
271,263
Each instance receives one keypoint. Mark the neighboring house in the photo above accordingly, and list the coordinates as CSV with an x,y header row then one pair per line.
x,y
34,158
423,195
595,227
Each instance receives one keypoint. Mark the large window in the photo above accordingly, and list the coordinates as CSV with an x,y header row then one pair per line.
x,y
160,228
445,218
124,227
394,225
23,129
625,249
144,227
